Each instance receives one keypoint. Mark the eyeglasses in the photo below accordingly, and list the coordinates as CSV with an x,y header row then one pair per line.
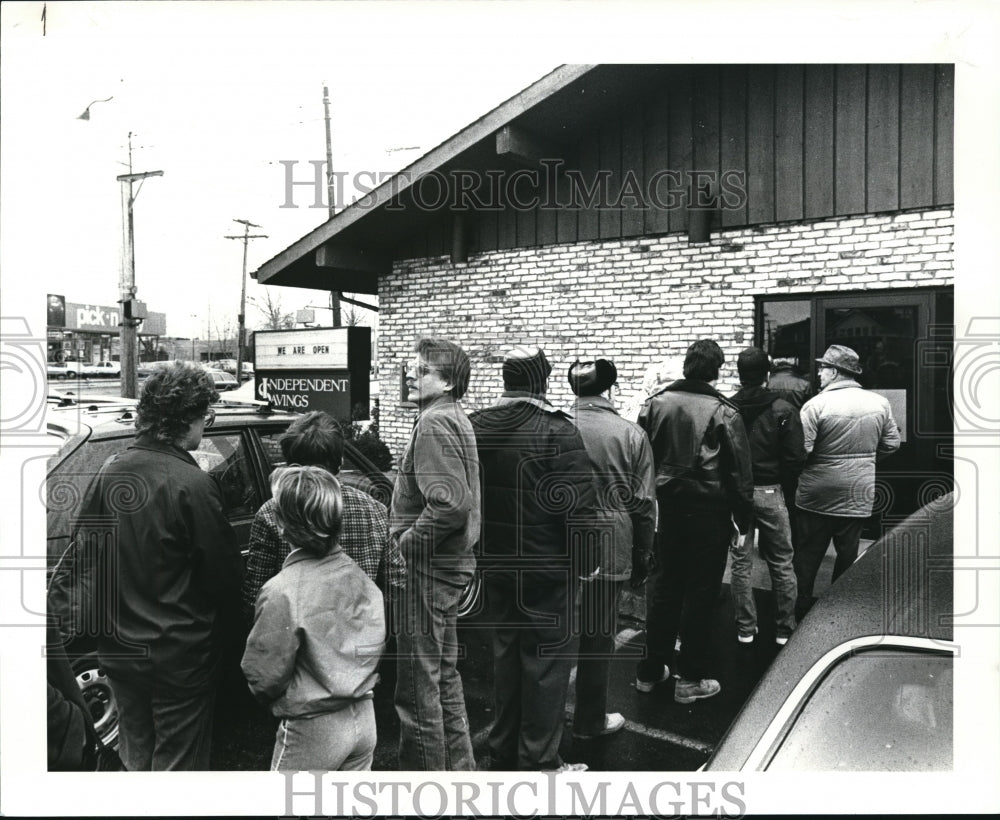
x,y
423,369
209,418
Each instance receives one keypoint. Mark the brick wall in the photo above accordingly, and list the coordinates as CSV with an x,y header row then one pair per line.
x,y
638,300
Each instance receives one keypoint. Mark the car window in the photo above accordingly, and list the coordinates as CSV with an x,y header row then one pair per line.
x,y
352,472
224,456
67,482
884,710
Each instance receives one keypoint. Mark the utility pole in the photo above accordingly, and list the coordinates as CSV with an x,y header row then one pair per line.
x,y
334,294
246,237
129,321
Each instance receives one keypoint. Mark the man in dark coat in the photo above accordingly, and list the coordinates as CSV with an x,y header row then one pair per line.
x,y
778,455
538,502
626,510
704,489
176,572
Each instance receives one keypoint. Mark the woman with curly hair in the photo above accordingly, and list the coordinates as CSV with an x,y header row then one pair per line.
x,y
176,572
317,635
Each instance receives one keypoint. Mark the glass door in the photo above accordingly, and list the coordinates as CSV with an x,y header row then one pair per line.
x,y
901,339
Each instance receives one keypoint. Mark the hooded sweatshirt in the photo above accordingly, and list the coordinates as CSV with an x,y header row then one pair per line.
x,y
775,432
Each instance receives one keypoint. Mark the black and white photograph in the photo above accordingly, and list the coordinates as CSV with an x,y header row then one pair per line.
x,y
499,408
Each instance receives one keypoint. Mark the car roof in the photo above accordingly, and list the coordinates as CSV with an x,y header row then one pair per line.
x,y
901,586
69,415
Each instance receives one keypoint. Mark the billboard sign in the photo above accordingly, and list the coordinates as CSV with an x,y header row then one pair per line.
x,y
313,349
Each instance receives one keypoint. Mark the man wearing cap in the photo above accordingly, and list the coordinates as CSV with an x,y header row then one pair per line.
x,y
538,502
776,450
845,429
704,482
626,516
435,517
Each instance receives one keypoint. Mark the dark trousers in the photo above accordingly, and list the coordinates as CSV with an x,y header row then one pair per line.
x,y
597,627
682,591
815,531
161,733
532,658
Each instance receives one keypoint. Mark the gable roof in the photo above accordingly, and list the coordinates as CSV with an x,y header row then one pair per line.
x,y
351,249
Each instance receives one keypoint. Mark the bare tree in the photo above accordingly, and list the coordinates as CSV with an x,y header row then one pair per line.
x,y
353,318
270,308
223,342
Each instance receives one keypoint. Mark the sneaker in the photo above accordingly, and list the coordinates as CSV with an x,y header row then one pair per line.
x,y
781,640
614,722
745,638
688,691
647,685
568,767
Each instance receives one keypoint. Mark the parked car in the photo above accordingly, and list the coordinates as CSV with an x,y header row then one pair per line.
x,y
241,448
63,370
865,683
224,381
111,370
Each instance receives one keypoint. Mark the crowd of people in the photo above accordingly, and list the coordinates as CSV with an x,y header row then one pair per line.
x,y
558,510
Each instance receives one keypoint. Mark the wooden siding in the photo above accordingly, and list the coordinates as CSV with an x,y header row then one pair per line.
x,y
812,141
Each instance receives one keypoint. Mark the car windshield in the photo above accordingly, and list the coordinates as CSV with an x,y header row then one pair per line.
x,y
884,710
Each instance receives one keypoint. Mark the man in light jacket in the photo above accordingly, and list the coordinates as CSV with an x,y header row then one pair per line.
x,y
845,429
435,516
626,518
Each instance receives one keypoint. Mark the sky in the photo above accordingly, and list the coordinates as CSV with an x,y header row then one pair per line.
x,y
216,97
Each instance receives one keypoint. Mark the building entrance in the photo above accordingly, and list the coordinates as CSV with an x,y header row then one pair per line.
x,y
904,341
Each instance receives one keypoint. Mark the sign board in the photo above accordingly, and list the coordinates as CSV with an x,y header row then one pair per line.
x,y
315,369
304,390
316,348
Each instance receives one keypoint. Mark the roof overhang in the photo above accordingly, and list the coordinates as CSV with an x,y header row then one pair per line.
x,y
353,248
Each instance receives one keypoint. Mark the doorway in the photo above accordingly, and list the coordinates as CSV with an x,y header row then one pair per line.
x,y
903,340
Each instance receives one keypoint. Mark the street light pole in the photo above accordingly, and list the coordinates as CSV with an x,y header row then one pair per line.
x,y
246,237
129,324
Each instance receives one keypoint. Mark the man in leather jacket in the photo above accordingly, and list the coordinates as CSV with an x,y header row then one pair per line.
x,y
704,489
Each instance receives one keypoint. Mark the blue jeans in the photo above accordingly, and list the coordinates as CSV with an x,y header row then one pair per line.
x,y
159,732
430,701
335,741
770,518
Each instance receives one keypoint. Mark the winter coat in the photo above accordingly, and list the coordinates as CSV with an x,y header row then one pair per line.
x,y
624,480
792,387
317,636
775,433
173,564
700,451
844,428
435,511
538,492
